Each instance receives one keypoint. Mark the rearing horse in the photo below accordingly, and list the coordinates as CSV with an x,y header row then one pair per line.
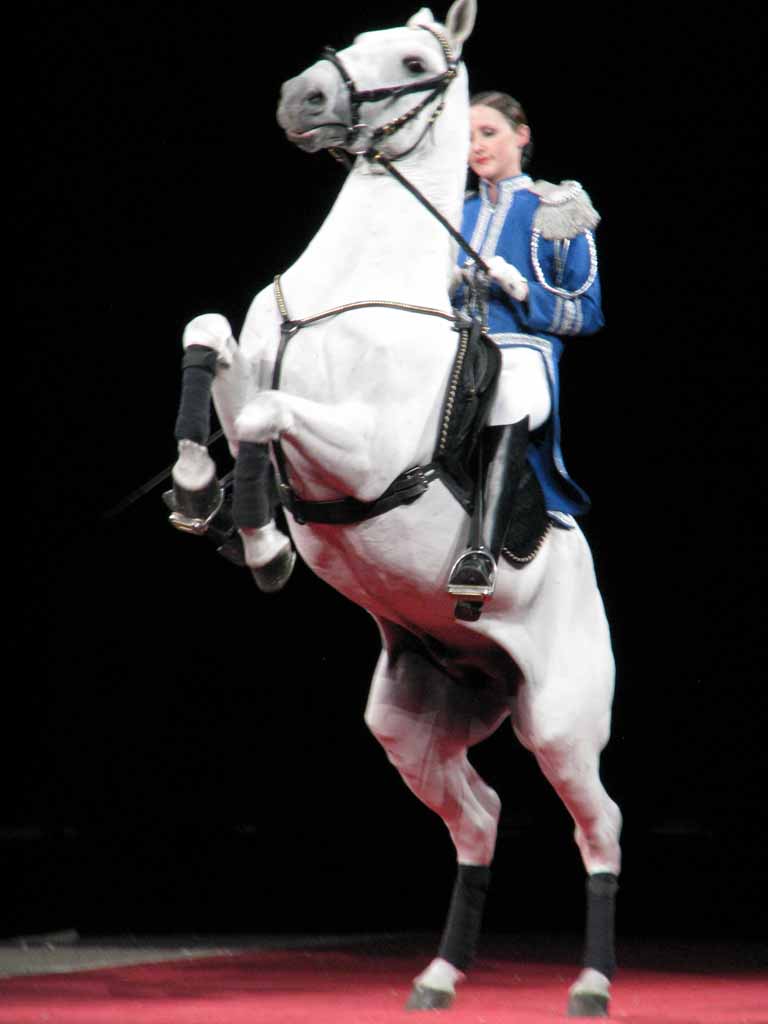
x,y
350,403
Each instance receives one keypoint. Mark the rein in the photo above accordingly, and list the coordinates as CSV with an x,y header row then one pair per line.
x,y
379,158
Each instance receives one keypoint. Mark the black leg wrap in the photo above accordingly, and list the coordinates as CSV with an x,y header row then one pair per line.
x,y
252,505
462,928
601,905
193,422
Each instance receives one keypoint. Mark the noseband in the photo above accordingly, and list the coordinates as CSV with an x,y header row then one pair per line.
x,y
435,86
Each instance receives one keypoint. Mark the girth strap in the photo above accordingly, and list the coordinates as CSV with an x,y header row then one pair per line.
x,y
342,511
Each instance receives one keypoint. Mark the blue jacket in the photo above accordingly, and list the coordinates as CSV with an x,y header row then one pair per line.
x,y
546,232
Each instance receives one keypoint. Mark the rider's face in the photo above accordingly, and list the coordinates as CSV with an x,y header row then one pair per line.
x,y
496,146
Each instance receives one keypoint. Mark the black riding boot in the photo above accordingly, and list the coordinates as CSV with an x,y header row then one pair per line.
x,y
473,576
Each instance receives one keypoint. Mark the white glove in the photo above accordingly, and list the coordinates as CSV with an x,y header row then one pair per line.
x,y
509,277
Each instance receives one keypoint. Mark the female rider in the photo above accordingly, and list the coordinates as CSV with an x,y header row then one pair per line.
x,y
536,239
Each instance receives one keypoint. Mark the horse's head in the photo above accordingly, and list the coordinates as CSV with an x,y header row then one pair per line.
x,y
387,83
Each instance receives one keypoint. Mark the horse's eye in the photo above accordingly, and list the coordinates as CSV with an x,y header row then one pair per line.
x,y
414,65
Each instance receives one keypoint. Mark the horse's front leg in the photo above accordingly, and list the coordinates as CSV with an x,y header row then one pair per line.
x,y
197,496
214,366
329,445
328,448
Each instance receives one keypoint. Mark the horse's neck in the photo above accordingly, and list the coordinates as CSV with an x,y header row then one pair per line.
x,y
378,241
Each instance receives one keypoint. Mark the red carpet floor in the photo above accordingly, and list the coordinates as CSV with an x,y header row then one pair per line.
x,y
363,986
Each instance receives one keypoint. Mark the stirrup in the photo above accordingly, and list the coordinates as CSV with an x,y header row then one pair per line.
x,y
473,574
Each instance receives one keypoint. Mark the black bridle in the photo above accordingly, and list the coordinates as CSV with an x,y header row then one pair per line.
x,y
436,85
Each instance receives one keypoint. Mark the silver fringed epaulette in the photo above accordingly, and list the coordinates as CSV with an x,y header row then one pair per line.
x,y
565,210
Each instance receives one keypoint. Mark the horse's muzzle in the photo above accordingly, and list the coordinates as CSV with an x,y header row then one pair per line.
x,y
312,111
322,136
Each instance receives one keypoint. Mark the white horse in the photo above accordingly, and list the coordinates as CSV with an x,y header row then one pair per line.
x,y
359,402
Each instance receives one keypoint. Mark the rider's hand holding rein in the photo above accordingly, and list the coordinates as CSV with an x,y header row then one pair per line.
x,y
504,274
508,277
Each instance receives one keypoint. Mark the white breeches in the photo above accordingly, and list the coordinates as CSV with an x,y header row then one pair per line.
x,y
523,389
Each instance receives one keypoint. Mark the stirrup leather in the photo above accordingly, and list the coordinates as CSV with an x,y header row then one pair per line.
x,y
473,574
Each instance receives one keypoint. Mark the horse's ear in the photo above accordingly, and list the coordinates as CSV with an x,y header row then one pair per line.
x,y
460,22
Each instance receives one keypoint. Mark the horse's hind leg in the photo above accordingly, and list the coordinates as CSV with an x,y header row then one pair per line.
x,y
426,722
566,725
575,776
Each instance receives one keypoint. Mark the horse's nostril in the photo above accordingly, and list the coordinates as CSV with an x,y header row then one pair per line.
x,y
316,98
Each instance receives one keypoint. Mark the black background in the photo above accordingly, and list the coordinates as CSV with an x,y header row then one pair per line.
x,y
182,752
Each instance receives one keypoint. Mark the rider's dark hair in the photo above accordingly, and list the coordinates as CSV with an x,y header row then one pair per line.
x,y
512,110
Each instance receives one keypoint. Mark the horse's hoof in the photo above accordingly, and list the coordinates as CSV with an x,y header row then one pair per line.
x,y
587,1004
194,510
423,998
468,611
275,574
